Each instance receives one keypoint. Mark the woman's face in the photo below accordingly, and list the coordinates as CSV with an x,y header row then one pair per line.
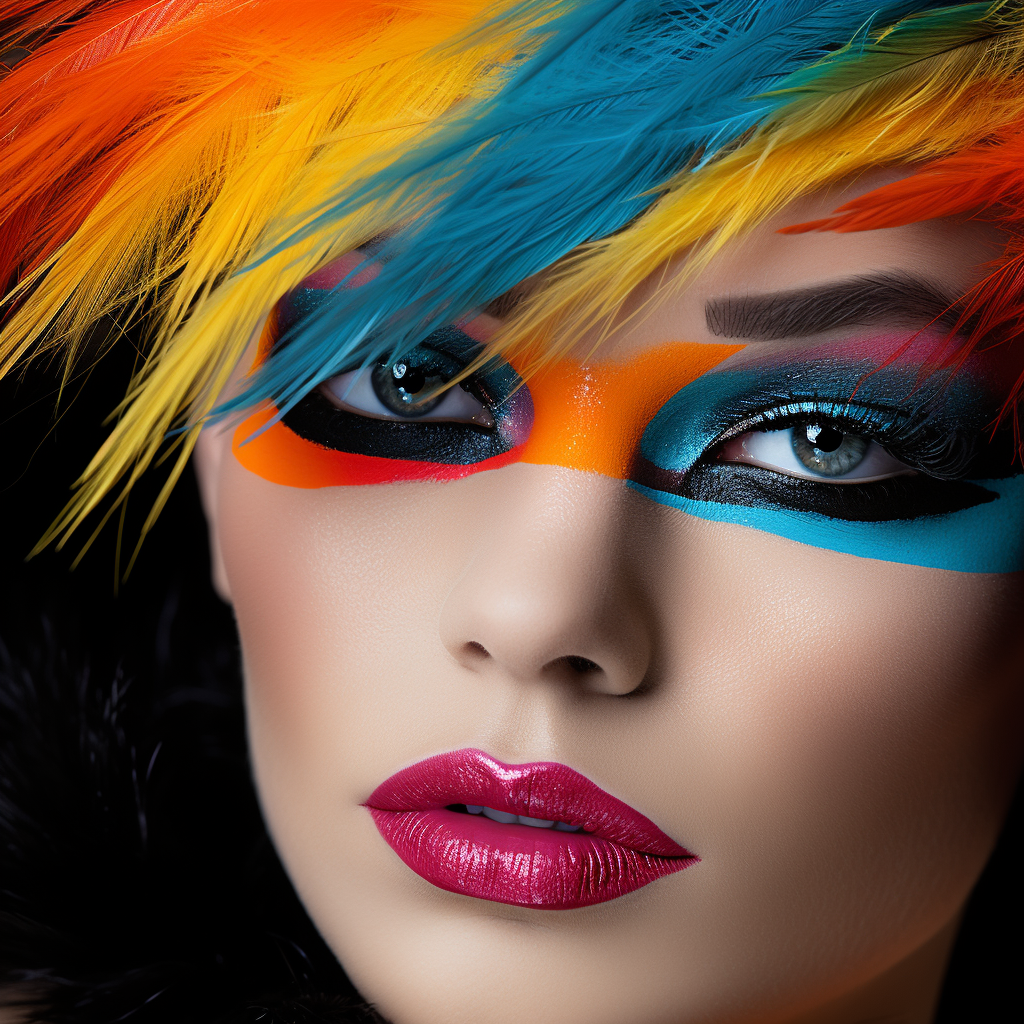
x,y
809,683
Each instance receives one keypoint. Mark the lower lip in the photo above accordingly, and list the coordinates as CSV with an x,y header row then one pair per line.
x,y
518,864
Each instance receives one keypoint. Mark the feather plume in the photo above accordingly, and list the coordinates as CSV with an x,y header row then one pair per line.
x,y
945,103
618,96
588,140
985,181
916,37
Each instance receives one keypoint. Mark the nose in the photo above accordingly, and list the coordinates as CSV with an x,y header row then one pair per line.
x,y
549,592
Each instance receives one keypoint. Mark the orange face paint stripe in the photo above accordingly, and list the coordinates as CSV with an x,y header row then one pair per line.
x,y
592,417
589,418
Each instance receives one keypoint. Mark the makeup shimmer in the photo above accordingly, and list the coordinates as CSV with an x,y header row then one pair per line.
x,y
648,422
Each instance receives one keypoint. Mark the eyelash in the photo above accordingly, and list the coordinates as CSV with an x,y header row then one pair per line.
x,y
936,487
940,457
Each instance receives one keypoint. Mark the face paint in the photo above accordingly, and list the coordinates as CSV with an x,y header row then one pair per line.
x,y
665,421
583,417
588,418
962,509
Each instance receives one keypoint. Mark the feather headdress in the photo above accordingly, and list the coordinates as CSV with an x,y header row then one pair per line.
x,y
195,159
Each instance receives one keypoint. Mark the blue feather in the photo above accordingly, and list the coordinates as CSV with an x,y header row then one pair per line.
x,y
616,98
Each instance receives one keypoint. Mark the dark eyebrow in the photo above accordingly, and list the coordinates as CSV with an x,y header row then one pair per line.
x,y
892,299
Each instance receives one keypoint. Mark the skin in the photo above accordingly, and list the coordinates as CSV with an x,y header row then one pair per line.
x,y
836,737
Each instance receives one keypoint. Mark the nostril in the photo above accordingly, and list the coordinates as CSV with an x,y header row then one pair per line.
x,y
475,648
584,666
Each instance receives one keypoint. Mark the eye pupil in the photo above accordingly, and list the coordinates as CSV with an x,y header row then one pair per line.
x,y
397,385
409,379
825,439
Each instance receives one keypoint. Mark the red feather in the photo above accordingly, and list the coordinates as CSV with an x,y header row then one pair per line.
x,y
986,180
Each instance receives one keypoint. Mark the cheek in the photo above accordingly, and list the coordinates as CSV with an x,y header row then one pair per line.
x,y
319,582
337,594
853,726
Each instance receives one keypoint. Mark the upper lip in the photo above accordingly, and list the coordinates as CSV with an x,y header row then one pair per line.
x,y
543,789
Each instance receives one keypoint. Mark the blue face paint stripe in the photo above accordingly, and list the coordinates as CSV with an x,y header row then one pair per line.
x,y
985,539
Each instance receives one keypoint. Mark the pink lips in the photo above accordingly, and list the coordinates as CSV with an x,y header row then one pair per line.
x,y
616,851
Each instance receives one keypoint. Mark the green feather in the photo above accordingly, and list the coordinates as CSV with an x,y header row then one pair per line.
x,y
872,55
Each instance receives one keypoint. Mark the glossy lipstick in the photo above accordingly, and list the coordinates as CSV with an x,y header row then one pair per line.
x,y
615,850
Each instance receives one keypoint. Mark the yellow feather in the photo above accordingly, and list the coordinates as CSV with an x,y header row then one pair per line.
x,y
260,154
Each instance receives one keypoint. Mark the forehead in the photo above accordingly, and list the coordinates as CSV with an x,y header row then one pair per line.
x,y
950,253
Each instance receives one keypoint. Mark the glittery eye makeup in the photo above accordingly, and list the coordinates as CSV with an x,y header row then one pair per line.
x,y
934,489
857,446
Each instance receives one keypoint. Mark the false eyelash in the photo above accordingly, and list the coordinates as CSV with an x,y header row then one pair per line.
x,y
919,437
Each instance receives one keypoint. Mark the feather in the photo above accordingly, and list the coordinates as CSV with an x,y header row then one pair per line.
x,y
260,138
986,180
947,102
987,176
124,25
617,95
915,38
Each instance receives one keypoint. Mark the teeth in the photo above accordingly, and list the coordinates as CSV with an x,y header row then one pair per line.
x,y
503,816
520,819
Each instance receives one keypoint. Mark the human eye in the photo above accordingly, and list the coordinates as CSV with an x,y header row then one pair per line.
x,y
792,440
415,409
418,409
817,449
412,389
839,460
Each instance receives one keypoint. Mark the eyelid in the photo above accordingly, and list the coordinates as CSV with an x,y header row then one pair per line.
x,y
874,422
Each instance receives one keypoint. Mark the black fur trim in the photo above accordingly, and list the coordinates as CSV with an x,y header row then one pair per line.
x,y
137,882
